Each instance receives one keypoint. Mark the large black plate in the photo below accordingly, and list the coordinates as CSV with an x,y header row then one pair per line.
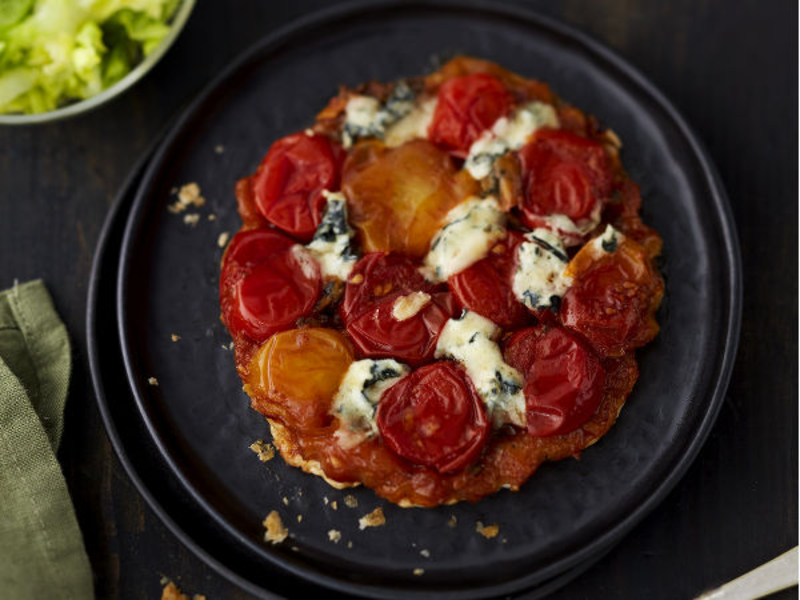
x,y
198,417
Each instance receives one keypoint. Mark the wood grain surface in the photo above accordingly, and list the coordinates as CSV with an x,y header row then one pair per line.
x,y
729,67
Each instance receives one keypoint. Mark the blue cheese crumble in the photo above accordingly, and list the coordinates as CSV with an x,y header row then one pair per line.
x,y
572,232
358,395
539,281
331,246
508,133
469,232
470,341
366,116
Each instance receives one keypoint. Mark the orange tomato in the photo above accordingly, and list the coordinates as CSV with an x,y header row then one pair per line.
x,y
398,196
295,374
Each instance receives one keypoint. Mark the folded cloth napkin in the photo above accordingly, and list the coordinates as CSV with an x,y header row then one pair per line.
x,y
41,548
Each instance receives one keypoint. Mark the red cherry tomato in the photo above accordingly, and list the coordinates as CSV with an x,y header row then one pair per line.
x,y
265,285
486,286
434,417
613,299
378,334
564,380
466,107
376,275
563,173
288,185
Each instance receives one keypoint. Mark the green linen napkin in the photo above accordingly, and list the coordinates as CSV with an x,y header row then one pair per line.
x,y
41,548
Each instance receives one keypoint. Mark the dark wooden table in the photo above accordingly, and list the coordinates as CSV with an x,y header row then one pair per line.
x,y
730,67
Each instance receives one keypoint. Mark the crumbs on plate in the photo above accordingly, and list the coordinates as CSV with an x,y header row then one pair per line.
x,y
188,195
487,531
373,519
264,450
275,531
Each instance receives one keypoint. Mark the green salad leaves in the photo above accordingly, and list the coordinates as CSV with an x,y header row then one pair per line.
x,y
53,52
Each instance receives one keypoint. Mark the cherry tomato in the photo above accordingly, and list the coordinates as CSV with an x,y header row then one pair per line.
x,y
486,286
397,197
294,376
374,276
614,297
564,174
266,285
564,380
378,334
434,417
288,185
466,107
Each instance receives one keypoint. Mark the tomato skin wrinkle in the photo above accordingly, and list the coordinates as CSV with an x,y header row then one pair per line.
x,y
434,417
289,182
563,173
466,107
264,287
564,379
378,334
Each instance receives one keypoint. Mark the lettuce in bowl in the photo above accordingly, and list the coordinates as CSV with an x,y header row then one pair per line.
x,y
53,52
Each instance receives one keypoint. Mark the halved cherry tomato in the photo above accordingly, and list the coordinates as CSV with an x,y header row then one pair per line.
x,y
265,284
563,174
378,334
466,107
376,275
614,297
397,197
486,286
434,417
564,380
294,376
288,185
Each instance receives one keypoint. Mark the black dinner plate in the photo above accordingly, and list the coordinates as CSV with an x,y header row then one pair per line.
x,y
142,460
198,418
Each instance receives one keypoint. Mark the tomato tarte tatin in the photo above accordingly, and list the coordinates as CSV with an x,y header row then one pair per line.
x,y
440,285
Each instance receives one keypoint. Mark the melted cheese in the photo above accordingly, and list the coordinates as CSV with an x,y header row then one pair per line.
x,y
366,116
470,341
469,232
356,400
331,244
413,126
508,133
539,281
570,231
406,307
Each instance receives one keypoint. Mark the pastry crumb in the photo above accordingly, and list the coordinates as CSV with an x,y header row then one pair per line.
x,y
325,499
171,592
425,552
212,217
219,148
418,571
191,219
487,531
264,450
334,505
275,531
152,381
285,500
335,535
349,544
223,238
174,337
350,501
309,132
188,195
373,519
299,518
452,521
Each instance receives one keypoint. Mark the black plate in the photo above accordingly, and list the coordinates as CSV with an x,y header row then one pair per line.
x,y
142,460
199,419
